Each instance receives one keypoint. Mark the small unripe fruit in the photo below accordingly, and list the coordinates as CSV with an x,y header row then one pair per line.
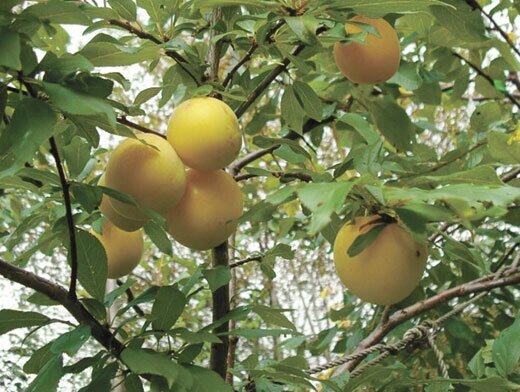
x,y
123,249
149,170
208,212
387,270
373,61
205,133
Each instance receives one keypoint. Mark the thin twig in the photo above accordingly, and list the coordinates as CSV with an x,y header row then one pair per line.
x,y
70,220
278,174
488,78
475,5
130,297
262,86
244,261
123,120
250,52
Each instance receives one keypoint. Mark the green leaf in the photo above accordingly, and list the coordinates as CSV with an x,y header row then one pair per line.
x,y
260,333
461,21
73,102
228,3
10,49
61,12
309,99
13,319
76,154
38,359
167,308
274,316
133,383
109,54
41,299
280,250
407,76
32,124
292,111
504,148
323,199
72,341
362,126
88,196
92,264
302,26
102,379
159,237
394,123
506,349
125,8
364,240
146,94
378,8
154,9
48,377
206,380
217,277
142,361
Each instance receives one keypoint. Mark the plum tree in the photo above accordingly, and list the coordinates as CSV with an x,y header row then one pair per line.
x,y
148,169
207,214
388,269
124,249
373,61
205,133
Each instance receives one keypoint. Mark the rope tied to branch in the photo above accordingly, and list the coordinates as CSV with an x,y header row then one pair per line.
x,y
426,330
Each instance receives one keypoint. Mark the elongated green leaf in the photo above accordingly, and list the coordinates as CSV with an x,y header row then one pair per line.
x,y
464,24
377,8
92,264
292,111
62,12
323,200
217,277
167,308
48,377
309,99
13,319
206,380
159,237
506,349
149,362
394,123
364,240
72,341
273,316
31,125
73,102
362,126
10,49
125,8
39,359
109,54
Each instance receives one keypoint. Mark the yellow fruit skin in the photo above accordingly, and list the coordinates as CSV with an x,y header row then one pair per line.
x,y
115,217
385,272
207,214
124,249
205,133
154,176
374,61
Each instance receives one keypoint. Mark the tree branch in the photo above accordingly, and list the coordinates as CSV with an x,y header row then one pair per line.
x,y
278,174
219,351
262,86
70,220
60,295
487,283
475,5
250,52
123,120
244,261
179,59
240,163
489,79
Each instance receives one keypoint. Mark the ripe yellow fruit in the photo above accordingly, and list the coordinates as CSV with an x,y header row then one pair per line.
x,y
205,133
373,61
124,249
126,223
385,272
149,170
207,214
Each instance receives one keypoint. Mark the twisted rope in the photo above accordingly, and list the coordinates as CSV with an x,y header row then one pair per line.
x,y
425,330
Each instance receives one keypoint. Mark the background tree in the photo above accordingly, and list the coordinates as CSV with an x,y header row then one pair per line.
x,y
436,146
